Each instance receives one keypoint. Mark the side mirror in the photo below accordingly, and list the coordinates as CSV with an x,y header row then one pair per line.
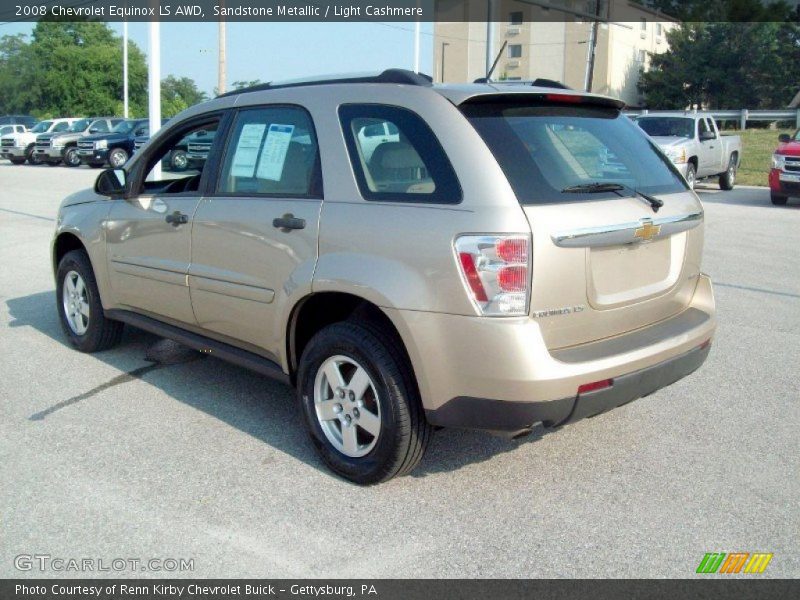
x,y
112,183
784,138
706,136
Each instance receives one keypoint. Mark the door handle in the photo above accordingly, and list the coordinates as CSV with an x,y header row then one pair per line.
x,y
288,222
177,218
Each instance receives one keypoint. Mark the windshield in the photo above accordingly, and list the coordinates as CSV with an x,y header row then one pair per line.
x,y
79,126
124,126
41,127
667,126
544,150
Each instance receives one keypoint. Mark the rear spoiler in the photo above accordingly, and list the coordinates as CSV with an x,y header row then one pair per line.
x,y
560,97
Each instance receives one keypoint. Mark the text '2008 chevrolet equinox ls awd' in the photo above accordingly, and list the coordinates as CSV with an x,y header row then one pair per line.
x,y
409,256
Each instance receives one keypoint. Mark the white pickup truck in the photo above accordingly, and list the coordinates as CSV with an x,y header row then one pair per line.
x,y
19,146
692,141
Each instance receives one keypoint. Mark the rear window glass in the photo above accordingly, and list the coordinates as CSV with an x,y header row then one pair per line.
x,y
546,149
667,126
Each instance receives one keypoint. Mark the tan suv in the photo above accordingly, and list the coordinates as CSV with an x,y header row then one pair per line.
x,y
510,256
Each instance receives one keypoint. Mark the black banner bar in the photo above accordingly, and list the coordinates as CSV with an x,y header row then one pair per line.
x,y
632,11
728,588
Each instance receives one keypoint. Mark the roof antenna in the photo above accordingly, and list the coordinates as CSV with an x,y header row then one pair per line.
x,y
488,77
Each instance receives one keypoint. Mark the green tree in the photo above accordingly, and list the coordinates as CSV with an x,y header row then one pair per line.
x,y
179,93
725,66
70,69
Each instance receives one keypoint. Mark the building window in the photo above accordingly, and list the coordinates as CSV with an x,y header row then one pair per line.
x,y
659,29
643,24
641,56
515,18
514,50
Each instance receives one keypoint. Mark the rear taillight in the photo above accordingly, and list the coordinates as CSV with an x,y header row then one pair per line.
x,y
496,271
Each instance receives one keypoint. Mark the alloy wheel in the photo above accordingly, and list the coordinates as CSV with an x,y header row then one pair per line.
x,y
347,406
75,298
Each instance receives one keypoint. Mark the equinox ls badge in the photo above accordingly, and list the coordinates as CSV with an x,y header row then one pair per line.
x,y
647,231
567,310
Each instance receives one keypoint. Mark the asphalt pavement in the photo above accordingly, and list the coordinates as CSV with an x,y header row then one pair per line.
x,y
114,456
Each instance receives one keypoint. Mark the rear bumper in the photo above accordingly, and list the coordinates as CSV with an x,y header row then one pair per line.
x,y
519,417
499,374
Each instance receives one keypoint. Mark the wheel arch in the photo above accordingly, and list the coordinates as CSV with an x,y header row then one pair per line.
x,y
318,310
64,243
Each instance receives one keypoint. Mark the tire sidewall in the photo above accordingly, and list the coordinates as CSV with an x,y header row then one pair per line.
x,y
117,151
338,339
78,261
691,170
71,157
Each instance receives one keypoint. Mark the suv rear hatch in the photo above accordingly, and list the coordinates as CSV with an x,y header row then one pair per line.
x,y
606,259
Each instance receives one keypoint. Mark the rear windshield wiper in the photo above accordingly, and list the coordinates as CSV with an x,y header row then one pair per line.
x,y
599,187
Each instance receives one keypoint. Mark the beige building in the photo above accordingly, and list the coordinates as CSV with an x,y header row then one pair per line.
x,y
555,49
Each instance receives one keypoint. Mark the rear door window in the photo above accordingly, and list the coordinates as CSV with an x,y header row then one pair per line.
x,y
405,163
272,151
546,149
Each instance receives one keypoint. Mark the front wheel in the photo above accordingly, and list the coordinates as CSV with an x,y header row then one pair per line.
x,y
728,179
117,157
71,158
691,175
32,157
778,200
79,308
360,403
179,161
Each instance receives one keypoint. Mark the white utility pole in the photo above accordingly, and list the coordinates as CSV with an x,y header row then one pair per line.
x,y
125,69
416,47
154,84
222,74
489,35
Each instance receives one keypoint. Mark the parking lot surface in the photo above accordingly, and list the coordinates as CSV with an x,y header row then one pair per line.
x,y
117,456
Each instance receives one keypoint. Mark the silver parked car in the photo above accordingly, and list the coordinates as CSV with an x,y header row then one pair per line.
x,y
510,256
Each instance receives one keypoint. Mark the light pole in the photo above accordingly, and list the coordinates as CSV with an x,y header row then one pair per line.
x,y
444,45
125,69
222,66
154,84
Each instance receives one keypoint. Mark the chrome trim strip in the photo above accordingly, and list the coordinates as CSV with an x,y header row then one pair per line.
x,y
623,233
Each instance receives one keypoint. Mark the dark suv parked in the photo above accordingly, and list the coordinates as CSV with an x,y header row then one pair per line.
x,y
113,147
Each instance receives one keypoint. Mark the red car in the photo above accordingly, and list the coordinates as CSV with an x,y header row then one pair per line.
x,y
784,177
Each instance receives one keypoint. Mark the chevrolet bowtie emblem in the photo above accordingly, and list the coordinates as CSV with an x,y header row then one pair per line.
x,y
647,231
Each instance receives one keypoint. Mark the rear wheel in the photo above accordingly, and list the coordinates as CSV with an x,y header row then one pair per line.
x,y
778,199
728,179
71,158
79,309
360,403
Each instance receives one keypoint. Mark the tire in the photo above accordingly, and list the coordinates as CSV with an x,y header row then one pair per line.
x,y
71,158
76,287
728,179
17,161
117,157
691,175
778,200
31,156
391,398
178,161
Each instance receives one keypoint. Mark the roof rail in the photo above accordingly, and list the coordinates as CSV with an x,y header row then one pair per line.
x,y
388,76
540,82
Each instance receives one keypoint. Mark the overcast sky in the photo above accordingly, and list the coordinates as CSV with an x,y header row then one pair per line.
x,y
272,51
